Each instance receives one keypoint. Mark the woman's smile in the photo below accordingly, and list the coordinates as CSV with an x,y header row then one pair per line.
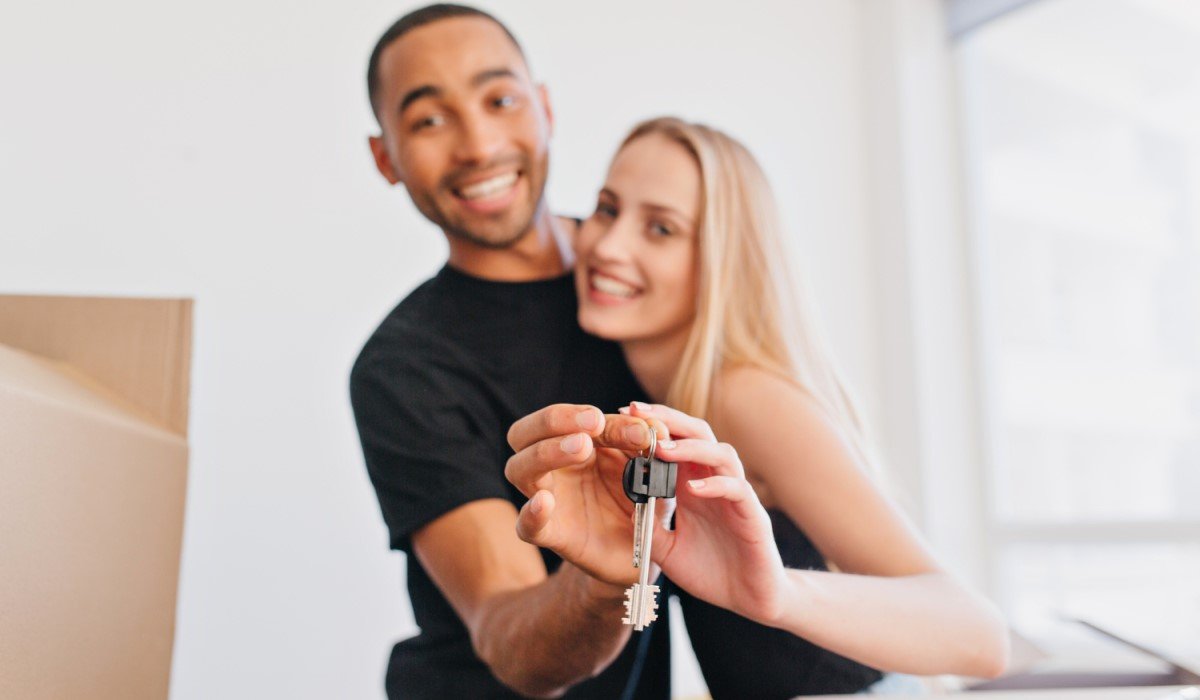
x,y
605,288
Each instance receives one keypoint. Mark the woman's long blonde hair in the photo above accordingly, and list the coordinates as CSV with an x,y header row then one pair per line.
x,y
749,308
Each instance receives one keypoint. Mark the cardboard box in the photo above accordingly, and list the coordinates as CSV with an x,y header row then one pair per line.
x,y
93,473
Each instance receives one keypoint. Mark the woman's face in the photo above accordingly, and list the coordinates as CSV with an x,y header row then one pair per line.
x,y
637,255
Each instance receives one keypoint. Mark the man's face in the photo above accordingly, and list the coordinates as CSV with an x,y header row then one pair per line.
x,y
464,128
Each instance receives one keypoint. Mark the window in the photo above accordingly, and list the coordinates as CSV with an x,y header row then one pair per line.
x,y
1082,125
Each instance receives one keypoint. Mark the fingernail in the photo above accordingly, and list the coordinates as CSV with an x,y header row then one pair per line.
x,y
667,444
535,505
641,407
572,444
587,419
635,433
696,484
624,410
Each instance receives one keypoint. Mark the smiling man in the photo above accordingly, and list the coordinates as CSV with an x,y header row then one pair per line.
x,y
491,338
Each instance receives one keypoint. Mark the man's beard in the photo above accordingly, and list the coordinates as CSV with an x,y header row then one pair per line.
x,y
506,238
493,235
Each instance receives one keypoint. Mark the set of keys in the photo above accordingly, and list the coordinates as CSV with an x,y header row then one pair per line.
x,y
646,479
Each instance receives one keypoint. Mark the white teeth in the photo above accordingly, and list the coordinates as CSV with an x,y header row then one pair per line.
x,y
488,188
611,286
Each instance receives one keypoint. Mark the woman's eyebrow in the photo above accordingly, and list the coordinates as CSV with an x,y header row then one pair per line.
x,y
663,208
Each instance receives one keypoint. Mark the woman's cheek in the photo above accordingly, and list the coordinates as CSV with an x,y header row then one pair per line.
x,y
579,243
590,236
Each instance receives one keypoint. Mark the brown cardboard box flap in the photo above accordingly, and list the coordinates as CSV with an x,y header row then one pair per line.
x,y
32,378
137,348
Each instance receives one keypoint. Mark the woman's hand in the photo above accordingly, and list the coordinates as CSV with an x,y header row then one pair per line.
x,y
722,549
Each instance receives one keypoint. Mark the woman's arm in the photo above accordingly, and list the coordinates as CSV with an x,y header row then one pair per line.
x,y
924,624
894,608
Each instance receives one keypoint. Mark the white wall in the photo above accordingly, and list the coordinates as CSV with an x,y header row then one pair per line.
x,y
217,150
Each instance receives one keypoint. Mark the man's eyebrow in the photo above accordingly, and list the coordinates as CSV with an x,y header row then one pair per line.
x,y
491,74
434,91
418,93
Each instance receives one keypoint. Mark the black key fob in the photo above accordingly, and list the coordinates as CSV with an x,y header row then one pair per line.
x,y
647,477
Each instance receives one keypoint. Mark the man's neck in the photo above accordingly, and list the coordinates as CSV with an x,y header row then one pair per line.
x,y
537,255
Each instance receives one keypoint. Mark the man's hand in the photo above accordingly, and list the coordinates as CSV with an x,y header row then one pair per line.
x,y
569,461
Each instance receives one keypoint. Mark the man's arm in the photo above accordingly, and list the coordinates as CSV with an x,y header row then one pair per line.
x,y
542,634
445,500
538,634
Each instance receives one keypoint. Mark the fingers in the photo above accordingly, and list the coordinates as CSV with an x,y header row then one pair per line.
x,y
529,469
662,432
562,435
730,488
680,424
534,522
558,420
751,518
720,456
628,433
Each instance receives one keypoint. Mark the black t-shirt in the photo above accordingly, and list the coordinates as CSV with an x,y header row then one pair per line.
x,y
743,659
434,391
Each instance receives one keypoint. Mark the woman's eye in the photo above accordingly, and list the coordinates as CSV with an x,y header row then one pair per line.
x,y
660,229
605,210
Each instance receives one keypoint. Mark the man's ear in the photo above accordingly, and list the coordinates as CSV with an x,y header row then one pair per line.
x,y
383,162
544,94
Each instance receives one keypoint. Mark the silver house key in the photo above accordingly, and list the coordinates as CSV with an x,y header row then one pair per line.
x,y
646,479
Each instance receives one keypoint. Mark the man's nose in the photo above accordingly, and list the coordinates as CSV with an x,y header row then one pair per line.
x,y
480,141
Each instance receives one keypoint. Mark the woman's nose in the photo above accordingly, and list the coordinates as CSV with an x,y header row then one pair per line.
x,y
616,243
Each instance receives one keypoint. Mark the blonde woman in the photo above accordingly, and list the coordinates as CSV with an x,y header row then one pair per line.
x,y
682,262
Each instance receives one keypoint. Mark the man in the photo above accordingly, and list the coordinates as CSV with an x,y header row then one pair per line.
x,y
491,338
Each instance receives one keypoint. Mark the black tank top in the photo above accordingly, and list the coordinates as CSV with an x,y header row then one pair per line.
x,y
743,659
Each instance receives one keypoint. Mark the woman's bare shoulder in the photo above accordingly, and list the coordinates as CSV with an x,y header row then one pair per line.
x,y
747,388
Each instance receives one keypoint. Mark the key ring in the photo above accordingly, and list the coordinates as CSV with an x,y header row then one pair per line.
x,y
653,442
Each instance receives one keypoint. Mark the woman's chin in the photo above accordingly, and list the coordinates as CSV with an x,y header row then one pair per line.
x,y
595,324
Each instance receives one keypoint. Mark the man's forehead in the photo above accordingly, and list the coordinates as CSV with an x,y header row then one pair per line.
x,y
446,53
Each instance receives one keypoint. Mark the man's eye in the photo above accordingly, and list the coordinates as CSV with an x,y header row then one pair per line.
x,y
427,122
607,211
504,101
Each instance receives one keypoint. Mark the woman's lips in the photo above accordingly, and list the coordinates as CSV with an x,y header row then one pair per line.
x,y
606,289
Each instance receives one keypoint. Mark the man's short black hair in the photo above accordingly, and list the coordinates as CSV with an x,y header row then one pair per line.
x,y
419,18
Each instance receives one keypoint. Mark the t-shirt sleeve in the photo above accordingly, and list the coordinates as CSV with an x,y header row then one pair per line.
x,y
423,438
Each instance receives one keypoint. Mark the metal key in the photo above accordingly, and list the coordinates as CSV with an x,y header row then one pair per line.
x,y
646,479
639,529
640,598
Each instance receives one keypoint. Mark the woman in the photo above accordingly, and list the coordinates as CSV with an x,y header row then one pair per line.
x,y
682,262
